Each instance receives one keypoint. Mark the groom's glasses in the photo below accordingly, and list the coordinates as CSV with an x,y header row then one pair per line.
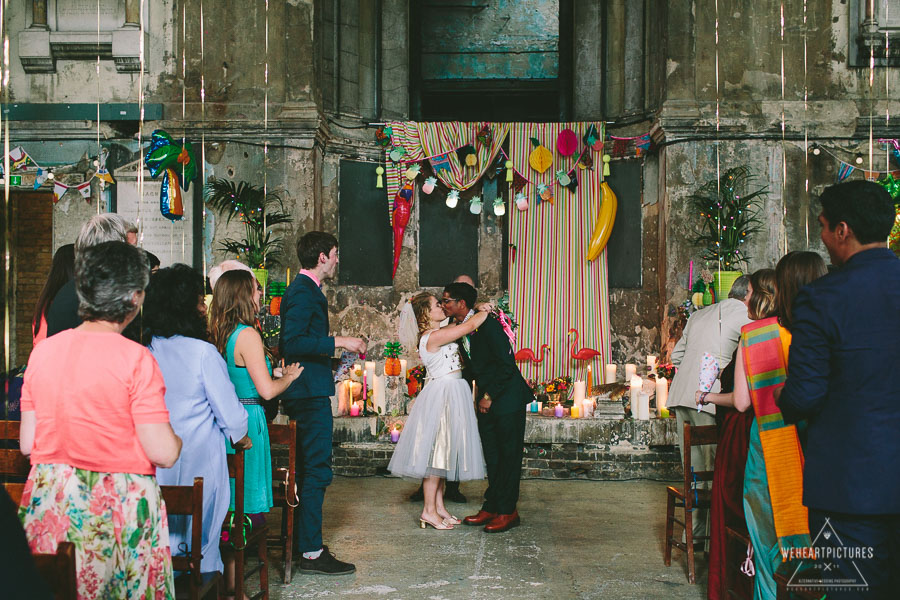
x,y
444,301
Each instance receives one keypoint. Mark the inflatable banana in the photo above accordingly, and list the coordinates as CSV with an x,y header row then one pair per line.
x,y
604,223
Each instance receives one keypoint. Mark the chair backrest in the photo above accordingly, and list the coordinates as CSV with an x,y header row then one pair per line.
x,y
58,570
12,461
285,480
696,435
187,500
236,470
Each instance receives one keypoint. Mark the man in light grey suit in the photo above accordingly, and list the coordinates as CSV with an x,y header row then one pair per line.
x,y
715,329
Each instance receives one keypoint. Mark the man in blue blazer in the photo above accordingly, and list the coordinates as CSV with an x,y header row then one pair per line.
x,y
305,338
842,371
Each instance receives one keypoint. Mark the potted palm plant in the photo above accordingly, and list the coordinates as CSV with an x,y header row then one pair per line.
x,y
259,211
729,213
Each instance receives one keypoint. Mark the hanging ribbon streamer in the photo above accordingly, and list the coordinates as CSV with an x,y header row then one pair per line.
x,y
164,156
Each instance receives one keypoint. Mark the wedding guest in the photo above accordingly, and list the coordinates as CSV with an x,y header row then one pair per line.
x,y
62,271
95,424
440,439
233,330
714,330
203,407
733,428
108,227
841,377
772,475
305,337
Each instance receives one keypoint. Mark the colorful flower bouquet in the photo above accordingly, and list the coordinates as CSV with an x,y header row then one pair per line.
x,y
415,380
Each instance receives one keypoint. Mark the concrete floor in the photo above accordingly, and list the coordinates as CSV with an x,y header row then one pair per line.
x,y
578,539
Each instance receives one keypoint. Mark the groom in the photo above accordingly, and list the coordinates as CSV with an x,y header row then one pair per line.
x,y
501,395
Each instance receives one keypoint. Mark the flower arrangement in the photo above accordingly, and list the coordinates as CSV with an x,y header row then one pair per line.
x,y
729,213
667,370
558,385
415,380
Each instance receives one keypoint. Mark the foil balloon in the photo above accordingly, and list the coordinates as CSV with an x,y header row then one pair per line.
x,y
177,165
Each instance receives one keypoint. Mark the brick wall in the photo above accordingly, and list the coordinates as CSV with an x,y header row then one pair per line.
x,y
33,255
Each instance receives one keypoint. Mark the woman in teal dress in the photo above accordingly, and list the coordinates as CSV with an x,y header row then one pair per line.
x,y
232,326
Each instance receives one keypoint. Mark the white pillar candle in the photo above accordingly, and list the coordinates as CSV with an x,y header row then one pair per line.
x,y
630,371
662,393
651,362
370,371
403,368
579,392
644,407
610,374
378,394
587,410
636,384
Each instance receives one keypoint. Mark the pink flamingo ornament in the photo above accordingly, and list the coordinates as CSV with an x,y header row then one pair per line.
x,y
528,354
584,353
400,213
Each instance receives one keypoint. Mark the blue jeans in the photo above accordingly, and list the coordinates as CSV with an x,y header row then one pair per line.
x,y
314,427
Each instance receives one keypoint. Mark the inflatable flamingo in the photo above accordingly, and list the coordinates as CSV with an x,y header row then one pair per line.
x,y
584,353
400,219
528,354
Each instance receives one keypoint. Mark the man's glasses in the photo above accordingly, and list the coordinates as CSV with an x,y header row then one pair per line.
x,y
446,300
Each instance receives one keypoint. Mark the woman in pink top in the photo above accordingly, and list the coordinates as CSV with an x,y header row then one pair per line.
x,y
95,424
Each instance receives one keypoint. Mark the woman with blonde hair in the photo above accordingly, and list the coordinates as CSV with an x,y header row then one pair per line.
x,y
234,332
440,440
773,476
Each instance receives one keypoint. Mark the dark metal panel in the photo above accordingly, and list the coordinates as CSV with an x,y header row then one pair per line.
x,y
82,112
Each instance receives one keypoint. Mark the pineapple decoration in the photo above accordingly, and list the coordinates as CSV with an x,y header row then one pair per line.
x,y
276,291
392,358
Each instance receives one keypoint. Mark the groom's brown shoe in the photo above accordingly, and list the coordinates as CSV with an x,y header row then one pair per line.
x,y
480,519
503,523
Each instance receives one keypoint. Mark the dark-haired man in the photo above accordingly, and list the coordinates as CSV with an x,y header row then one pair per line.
x,y
305,338
841,369
501,396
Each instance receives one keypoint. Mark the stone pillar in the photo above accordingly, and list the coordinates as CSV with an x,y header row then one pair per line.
x,y
132,13
39,14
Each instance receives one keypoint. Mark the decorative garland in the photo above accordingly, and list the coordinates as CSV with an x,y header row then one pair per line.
x,y
21,161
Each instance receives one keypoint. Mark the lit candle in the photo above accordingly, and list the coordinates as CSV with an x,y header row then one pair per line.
x,y
610,374
540,407
630,371
579,392
644,407
576,411
651,362
559,410
288,276
590,381
691,276
354,410
662,394
403,368
395,435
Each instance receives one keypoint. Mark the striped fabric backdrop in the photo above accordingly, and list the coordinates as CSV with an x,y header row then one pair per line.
x,y
552,286
426,140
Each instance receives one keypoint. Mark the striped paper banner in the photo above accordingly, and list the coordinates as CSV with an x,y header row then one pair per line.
x,y
553,288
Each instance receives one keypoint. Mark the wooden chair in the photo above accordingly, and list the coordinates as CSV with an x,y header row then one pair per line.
x,y
188,500
13,464
238,542
15,491
737,583
58,570
690,497
284,490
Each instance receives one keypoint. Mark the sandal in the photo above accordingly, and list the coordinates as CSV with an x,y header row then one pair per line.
x,y
423,524
451,520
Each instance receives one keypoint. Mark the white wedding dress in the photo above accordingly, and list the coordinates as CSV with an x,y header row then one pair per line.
x,y
440,437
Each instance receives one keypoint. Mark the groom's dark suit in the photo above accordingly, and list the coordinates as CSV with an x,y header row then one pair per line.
x,y
502,428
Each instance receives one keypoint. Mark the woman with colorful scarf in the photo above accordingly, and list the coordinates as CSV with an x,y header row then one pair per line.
x,y
773,476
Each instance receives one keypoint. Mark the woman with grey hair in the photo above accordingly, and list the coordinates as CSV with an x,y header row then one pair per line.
x,y
95,425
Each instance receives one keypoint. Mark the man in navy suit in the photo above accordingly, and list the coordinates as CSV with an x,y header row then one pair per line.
x,y
305,338
842,371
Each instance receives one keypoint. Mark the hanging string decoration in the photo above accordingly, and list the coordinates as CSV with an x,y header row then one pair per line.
x,y
165,156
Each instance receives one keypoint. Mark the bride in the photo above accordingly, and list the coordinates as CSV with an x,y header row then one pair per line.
x,y
440,440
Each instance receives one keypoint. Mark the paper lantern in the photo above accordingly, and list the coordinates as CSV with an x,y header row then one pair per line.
x,y
521,201
499,207
475,205
452,199
540,158
429,184
566,143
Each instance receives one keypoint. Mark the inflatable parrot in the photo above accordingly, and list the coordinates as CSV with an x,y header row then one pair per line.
x,y
400,219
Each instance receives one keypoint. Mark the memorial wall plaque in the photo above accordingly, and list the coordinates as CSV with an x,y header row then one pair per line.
x,y
171,241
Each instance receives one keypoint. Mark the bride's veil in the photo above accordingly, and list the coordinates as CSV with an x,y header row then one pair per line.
x,y
408,329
